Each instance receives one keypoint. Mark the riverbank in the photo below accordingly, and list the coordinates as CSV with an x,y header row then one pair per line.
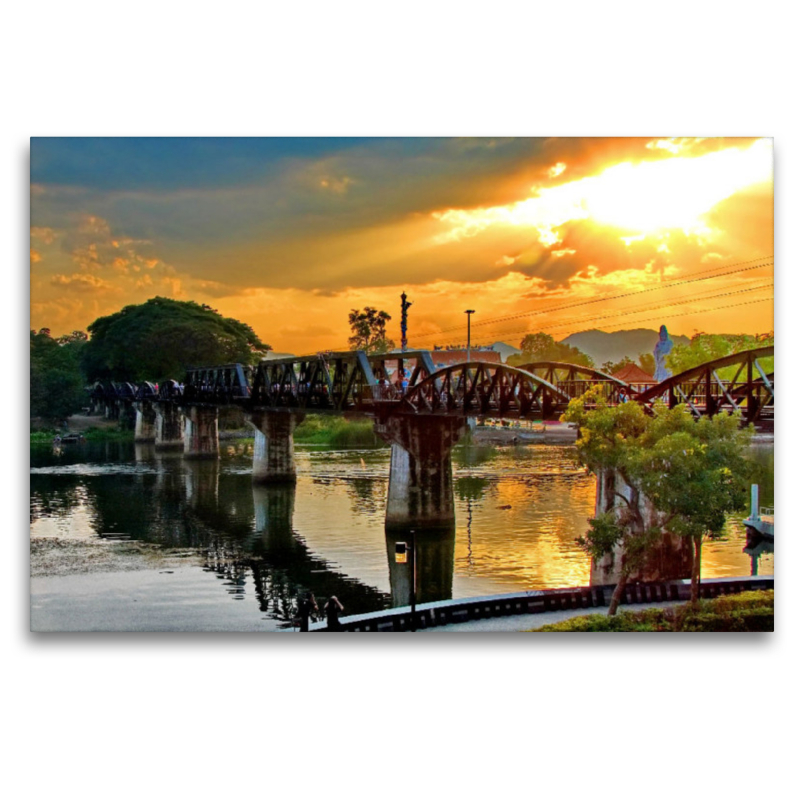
x,y
556,433
334,431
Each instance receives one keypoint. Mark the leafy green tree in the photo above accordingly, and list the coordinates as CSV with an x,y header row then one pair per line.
x,y
57,384
691,472
542,347
159,339
610,367
647,362
369,330
705,347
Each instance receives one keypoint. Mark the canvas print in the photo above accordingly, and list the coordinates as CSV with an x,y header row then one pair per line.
x,y
408,385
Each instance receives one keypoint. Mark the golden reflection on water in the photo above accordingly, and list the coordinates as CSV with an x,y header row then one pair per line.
x,y
518,513
522,532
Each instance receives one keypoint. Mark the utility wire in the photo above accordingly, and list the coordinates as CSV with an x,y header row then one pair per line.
x,y
698,276
575,322
767,261
665,316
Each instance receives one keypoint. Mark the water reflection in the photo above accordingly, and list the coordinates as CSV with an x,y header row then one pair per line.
x,y
435,552
518,513
757,546
367,495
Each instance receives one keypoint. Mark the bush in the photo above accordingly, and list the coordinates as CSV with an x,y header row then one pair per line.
x,y
748,611
108,434
337,432
623,622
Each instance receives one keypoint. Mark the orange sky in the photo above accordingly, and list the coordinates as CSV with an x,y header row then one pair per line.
x,y
289,235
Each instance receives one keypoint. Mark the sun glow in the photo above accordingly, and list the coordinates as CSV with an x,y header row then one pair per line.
x,y
639,199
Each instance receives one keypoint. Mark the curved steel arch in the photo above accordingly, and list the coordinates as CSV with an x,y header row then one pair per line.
x,y
706,393
124,390
146,391
575,379
572,370
485,389
169,390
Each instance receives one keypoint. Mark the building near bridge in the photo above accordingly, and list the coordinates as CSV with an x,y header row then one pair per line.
x,y
635,377
447,357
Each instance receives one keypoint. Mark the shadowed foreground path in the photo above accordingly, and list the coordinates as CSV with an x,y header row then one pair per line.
x,y
526,622
522,612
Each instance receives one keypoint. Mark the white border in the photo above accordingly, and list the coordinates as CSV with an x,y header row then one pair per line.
x,y
133,716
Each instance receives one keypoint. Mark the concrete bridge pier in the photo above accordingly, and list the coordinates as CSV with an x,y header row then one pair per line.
x,y
201,432
421,473
169,426
145,429
273,450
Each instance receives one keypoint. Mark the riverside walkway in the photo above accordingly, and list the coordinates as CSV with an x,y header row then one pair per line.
x,y
520,612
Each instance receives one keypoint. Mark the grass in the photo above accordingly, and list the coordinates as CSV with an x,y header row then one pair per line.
x,y
90,434
336,432
748,611
315,429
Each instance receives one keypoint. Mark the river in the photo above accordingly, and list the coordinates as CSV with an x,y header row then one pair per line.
x,y
519,511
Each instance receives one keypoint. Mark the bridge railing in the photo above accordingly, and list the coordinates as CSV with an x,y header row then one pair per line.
x,y
204,393
383,393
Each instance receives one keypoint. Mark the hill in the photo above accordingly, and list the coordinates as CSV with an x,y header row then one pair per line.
x,y
602,346
505,350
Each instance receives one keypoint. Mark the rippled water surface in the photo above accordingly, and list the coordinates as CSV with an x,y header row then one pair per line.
x,y
518,512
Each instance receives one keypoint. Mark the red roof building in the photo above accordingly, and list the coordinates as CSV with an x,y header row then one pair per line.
x,y
446,358
635,376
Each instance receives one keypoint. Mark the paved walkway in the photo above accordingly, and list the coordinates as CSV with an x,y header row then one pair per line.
x,y
524,622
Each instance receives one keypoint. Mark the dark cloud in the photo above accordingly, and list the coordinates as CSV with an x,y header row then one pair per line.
x,y
328,214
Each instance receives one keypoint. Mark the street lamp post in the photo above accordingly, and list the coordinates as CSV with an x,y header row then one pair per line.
x,y
413,580
469,312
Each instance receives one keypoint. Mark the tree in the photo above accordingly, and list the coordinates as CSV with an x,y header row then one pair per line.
x,y
542,347
705,347
647,362
610,367
369,330
57,384
159,339
690,473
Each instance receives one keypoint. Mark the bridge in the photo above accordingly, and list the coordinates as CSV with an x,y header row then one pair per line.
x,y
421,411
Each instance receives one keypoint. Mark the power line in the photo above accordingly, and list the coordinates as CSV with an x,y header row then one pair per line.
x,y
579,321
583,319
664,316
576,322
766,261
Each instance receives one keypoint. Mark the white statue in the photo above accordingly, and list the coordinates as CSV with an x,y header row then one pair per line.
x,y
660,352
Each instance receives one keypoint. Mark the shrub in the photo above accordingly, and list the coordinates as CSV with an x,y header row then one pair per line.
x,y
336,432
748,611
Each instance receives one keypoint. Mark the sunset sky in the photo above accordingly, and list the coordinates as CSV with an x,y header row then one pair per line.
x,y
556,235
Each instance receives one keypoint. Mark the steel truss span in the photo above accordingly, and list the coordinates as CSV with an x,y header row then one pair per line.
x,y
483,389
338,382
408,383
574,380
737,382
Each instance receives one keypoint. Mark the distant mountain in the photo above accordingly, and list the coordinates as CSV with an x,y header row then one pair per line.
x,y
271,355
505,350
602,346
